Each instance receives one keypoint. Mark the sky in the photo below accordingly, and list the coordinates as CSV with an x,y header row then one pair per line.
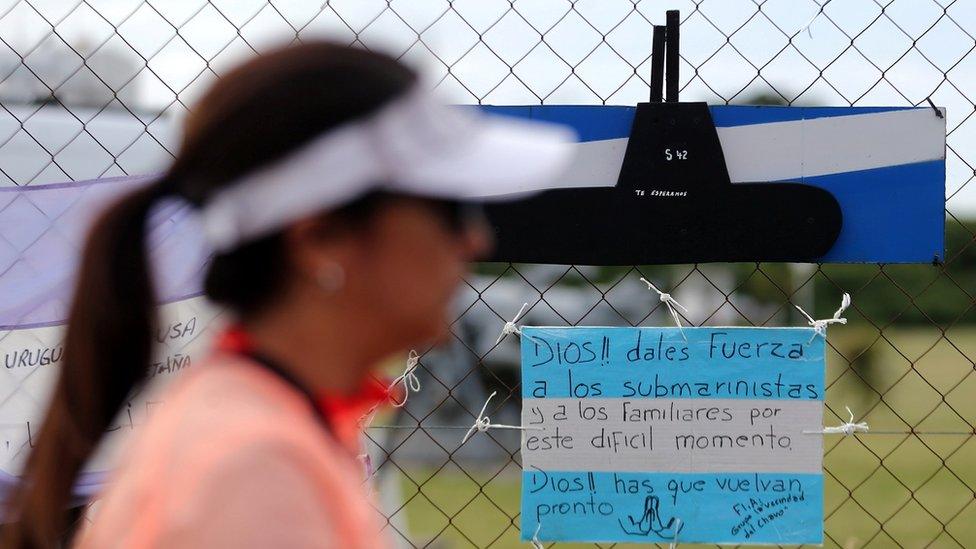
x,y
527,52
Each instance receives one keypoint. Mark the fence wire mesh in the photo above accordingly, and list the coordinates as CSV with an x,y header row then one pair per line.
x,y
95,88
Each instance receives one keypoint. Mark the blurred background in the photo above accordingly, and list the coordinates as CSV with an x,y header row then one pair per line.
x,y
98,88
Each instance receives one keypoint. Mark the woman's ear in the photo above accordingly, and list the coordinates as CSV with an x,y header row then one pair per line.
x,y
311,248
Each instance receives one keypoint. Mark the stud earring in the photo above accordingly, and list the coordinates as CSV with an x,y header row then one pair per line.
x,y
331,277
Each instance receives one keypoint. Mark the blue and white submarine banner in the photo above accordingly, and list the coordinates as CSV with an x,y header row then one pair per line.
x,y
884,165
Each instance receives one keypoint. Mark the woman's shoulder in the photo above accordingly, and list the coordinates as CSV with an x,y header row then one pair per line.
x,y
225,411
231,398
232,380
229,437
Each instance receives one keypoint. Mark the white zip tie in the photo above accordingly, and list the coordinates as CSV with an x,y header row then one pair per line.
x,y
483,423
848,428
820,326
410,383
677,529
409,379
536,544
670,302
510,327
812,19
366,421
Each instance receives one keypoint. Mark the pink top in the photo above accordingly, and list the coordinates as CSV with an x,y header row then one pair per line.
x,y
235,457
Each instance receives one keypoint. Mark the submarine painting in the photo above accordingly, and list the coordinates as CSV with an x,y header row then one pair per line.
x,y
735,183
682,182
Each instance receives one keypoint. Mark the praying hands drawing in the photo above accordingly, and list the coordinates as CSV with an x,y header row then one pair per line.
x,y
650,521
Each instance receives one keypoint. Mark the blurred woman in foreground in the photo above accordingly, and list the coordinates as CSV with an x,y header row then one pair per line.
x,y
333,191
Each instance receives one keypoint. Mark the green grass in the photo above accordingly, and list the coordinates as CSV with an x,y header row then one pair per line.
x,y
911,484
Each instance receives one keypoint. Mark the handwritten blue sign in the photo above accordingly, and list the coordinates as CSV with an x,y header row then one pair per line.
x,y
653,435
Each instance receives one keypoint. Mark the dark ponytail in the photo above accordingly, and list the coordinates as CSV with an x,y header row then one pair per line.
x,y
109,334
254,115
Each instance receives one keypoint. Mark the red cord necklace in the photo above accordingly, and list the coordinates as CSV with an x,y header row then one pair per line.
x,y
339,413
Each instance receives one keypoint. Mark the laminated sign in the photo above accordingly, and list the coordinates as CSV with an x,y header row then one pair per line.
x,y
650,435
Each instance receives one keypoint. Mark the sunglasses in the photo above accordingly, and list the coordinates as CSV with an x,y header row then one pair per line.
x,y
458,216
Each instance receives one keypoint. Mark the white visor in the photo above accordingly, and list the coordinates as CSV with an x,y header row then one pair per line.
x,y
414,145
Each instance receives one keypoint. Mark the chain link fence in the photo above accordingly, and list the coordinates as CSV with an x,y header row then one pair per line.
x,y
96,88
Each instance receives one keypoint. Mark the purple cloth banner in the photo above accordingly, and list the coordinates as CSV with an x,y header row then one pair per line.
x,y
43,232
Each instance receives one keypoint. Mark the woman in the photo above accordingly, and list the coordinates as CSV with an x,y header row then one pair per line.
x,y
331,189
